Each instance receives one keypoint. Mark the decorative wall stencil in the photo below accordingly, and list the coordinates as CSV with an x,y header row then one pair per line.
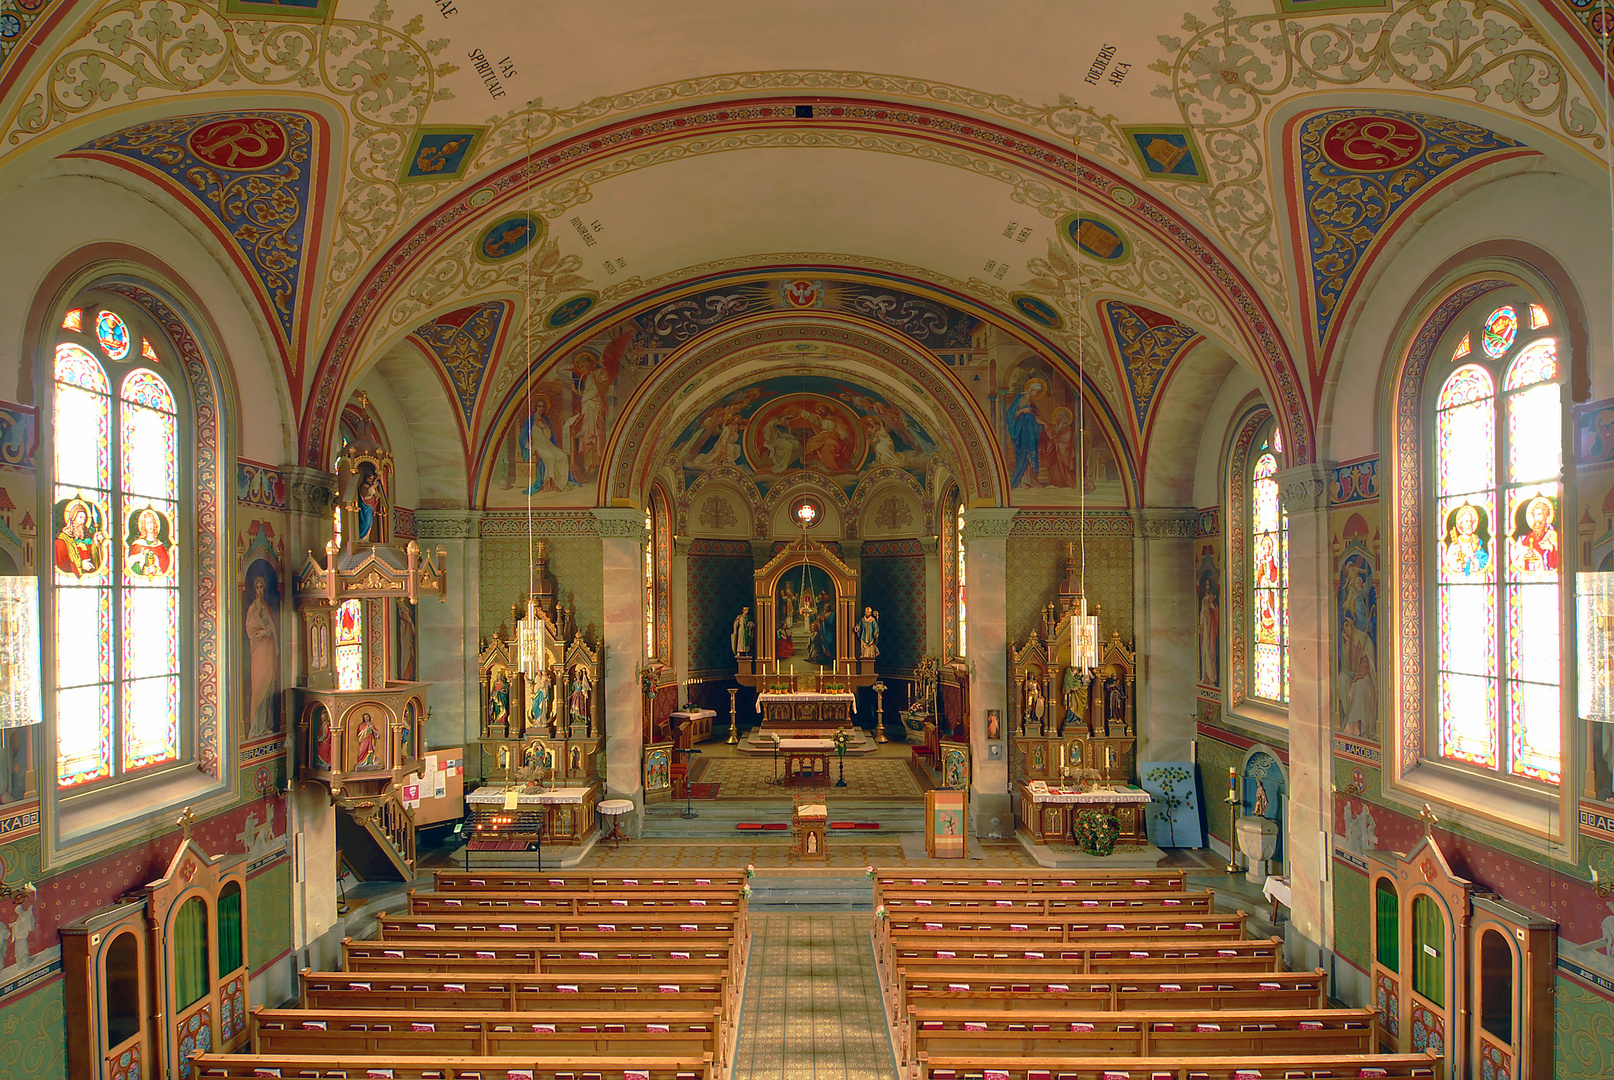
x,y
1358,169
249,176
1037,310
258,485
1146,344
19,436
440,153
1095,237
894,586
1035,564
1167,152
720,584
508,237
464,343
570,310
1357,482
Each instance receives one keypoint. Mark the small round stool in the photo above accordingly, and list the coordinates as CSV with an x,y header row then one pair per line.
x,y
614,809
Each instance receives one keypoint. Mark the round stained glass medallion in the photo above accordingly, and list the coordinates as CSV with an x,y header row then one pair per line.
x,y
113,335
1496,336
806,513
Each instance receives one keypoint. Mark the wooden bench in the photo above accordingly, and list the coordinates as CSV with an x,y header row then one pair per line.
x,y
610,883
436,991
945,881
438,1067
475,926
1170,1033
593,1036
615,957
565,900
1131,932
1161,956
904,899
1425,1066
1015,990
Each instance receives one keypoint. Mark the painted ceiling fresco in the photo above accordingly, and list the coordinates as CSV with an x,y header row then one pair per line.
x,y
465,172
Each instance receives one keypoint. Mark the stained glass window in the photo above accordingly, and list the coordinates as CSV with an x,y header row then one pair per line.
x,y
115,560
1498,430
1496,336
1463,349
649,586
113,335
1269,577
963,622
350,645
73,320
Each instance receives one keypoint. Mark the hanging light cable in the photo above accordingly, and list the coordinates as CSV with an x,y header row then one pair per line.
x,y
530,637
1083,627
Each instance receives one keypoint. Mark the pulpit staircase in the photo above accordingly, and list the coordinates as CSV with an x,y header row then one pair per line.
x,y
378,842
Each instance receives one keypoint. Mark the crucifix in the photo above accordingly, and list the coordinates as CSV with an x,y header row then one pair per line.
x,y
186,821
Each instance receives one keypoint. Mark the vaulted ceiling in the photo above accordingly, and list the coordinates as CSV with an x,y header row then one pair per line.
x,y
475,189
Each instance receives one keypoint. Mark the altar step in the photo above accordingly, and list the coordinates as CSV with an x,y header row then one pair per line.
x,y
718,820
785,891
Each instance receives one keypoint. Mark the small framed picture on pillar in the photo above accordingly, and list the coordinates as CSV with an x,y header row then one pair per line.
x,y
994,725
994,751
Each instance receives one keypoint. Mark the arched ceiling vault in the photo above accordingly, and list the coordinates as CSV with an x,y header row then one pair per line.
x,y
952,141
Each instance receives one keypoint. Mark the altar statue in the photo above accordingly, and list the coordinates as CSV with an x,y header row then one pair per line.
x,y
868,634
743,633
1074,691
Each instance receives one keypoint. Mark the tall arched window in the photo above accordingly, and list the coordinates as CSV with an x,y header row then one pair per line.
x,y
657,572
1493,567
117,556
1269,573
1257,569
963,578
949,518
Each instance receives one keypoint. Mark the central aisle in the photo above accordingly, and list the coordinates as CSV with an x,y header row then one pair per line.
x,y
812,1008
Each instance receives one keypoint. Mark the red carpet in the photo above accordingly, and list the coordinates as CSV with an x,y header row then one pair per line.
x,y
704,791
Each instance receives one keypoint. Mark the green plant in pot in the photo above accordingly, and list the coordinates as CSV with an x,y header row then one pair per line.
x,y
1096,832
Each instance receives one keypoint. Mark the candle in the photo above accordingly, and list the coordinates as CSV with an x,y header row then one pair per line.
x,y
1232,781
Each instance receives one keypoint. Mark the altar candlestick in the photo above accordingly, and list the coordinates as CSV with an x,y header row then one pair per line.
x,y
1232,783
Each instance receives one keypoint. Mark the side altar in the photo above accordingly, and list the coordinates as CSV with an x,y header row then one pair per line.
x,y
542,734
1072,722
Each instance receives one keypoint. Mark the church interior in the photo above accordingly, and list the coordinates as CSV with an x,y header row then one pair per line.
x,y
565,479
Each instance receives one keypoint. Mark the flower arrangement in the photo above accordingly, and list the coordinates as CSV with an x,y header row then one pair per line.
x,y
750,871
880,913
1096,832
869,872
745,891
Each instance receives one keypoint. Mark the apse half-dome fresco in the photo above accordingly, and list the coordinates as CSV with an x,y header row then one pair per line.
x,y
778,426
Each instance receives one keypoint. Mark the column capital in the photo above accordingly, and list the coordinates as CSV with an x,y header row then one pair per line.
x,y
988,522
622,522
448,524
1166,522
309,491
1304,487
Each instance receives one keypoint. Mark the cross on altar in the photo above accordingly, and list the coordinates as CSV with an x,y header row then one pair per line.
x,y
1427,816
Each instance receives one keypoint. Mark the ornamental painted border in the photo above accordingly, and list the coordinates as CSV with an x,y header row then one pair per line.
x,y
371,294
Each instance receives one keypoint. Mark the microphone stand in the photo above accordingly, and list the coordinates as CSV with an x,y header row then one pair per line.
x,y
689,792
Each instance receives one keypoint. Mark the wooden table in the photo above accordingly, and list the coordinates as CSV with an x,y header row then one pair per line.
x,y
817,751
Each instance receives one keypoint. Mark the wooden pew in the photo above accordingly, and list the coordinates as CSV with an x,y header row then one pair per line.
x,y
436,991
916,901
438,1067
591,1036
1170,880
1076,921
1175,1033
1425,1066
1162,956
1012,990
615,882
509,927
575,903
613,957
1130,931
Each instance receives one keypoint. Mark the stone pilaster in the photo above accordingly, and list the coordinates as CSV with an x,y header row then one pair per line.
x,y
450,630
986,536
622,540
678,608
1311,749
934,630
1165,624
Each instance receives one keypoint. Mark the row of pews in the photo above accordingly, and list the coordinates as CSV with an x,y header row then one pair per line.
x,y
514,976
1072,975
